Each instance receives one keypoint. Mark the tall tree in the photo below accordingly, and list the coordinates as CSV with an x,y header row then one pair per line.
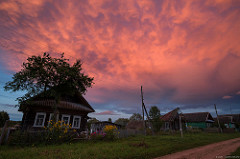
x,y
135,116
42,73
122,121
154,114
109,119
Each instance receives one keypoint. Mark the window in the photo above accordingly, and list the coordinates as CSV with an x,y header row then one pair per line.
x,y
76,122
39,120
51,118
166,125
65,119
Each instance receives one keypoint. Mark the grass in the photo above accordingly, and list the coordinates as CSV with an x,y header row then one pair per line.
x,y
132,147
236,153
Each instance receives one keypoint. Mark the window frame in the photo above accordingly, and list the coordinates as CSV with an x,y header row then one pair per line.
x,y
65,115
50,116
35,120
79,124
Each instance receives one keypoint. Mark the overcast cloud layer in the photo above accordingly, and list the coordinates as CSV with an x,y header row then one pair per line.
x,y
183,52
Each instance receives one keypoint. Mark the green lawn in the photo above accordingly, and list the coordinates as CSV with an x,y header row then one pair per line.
x,y
133,147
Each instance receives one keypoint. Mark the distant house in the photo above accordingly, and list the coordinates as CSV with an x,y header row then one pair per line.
x,y
99,126
198,120
226,120
171,120
71,109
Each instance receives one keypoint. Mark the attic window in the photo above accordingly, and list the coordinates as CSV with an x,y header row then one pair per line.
x,y
39,120
76,122
65,119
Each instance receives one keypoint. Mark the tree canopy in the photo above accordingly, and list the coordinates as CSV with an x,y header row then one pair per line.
x,y
136,116
122,121
154,112
42,73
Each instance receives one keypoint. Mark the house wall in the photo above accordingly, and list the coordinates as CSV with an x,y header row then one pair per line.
x,y
29,117
202,125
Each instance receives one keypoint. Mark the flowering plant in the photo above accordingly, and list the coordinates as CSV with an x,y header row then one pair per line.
x,y
111,132
57,131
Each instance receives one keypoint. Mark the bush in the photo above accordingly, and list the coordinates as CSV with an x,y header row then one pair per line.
x,y
111,132
26,138
58,132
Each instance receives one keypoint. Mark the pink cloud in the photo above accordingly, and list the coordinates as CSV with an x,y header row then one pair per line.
x,y
177,50
106,113
226,97
238,93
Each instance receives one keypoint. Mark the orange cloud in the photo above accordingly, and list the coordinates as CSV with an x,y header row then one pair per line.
x,y
178,50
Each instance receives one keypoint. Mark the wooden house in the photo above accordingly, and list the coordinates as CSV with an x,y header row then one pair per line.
x,y
226,120
70,108
198,120
171,120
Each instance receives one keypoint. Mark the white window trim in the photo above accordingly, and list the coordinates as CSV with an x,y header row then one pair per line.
x,y
50,116
39,113
79,124
65,115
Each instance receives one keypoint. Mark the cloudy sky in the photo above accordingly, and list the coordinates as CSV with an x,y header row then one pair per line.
x,y
184,53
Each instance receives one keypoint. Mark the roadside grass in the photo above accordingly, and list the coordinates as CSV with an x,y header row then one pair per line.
x,y
236,153
138,147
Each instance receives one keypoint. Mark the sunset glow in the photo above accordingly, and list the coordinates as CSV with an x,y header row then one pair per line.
x,y
183,53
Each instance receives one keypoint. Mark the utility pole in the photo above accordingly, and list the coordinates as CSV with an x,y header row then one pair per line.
x,y
180,124
144,109
217,118
144,124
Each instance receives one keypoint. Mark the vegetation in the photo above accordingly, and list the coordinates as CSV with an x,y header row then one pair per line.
x,y
154,114
128,148
3,117
236,153
42,73
135,116
122,121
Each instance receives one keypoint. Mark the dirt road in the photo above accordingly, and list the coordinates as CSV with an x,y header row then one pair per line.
x,y
212,151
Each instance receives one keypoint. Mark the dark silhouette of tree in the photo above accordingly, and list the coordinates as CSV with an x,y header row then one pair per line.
x,y
3,117
109,120
154,114
43,73
136,116
122,121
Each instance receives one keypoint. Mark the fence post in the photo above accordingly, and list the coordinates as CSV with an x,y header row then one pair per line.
x,y
3,130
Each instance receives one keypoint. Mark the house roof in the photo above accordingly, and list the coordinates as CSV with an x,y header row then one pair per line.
x,y
74,101
236,117
170,116
225,119
198,117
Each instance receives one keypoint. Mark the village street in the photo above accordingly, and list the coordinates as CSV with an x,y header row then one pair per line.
x,y
212,151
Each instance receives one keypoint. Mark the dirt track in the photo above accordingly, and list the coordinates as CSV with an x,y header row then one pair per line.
x,y
212,151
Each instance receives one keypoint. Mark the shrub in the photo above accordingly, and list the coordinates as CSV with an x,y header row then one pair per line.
x,y
111,132
58,132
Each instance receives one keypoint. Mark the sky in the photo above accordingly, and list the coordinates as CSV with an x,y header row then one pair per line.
x,y
185,53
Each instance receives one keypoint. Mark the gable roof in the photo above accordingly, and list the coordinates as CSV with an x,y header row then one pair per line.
x,y
236,117
170,116
225,119
198,117
74,101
